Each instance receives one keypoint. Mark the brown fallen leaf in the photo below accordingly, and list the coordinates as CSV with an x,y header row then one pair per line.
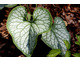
x,y
1,45
65,23
3,27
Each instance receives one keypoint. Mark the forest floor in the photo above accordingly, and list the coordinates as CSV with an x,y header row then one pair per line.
x,y
69,13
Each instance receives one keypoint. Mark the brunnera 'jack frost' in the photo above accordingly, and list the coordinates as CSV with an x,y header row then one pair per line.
x,y
24,32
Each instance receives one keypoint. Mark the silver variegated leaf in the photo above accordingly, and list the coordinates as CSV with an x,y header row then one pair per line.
x,y
55,37
24,33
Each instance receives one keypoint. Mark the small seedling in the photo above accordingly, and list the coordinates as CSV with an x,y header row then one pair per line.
x,y
76,54
68,54
54,53
67,44
78,42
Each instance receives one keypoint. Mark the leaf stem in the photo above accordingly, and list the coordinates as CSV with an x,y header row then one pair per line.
x,y
28,9
36,5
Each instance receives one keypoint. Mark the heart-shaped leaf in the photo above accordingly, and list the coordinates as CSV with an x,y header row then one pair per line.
x,y
55,37
24,33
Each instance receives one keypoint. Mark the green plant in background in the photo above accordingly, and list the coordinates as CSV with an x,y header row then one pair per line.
x,y
24,30
68,53
76,54
7,5
78,38
78,43
54,53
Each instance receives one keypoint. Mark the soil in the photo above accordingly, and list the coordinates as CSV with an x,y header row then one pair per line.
x,y
70,13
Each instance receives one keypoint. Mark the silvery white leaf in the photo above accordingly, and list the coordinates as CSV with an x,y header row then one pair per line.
x,y
24,32
55,37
